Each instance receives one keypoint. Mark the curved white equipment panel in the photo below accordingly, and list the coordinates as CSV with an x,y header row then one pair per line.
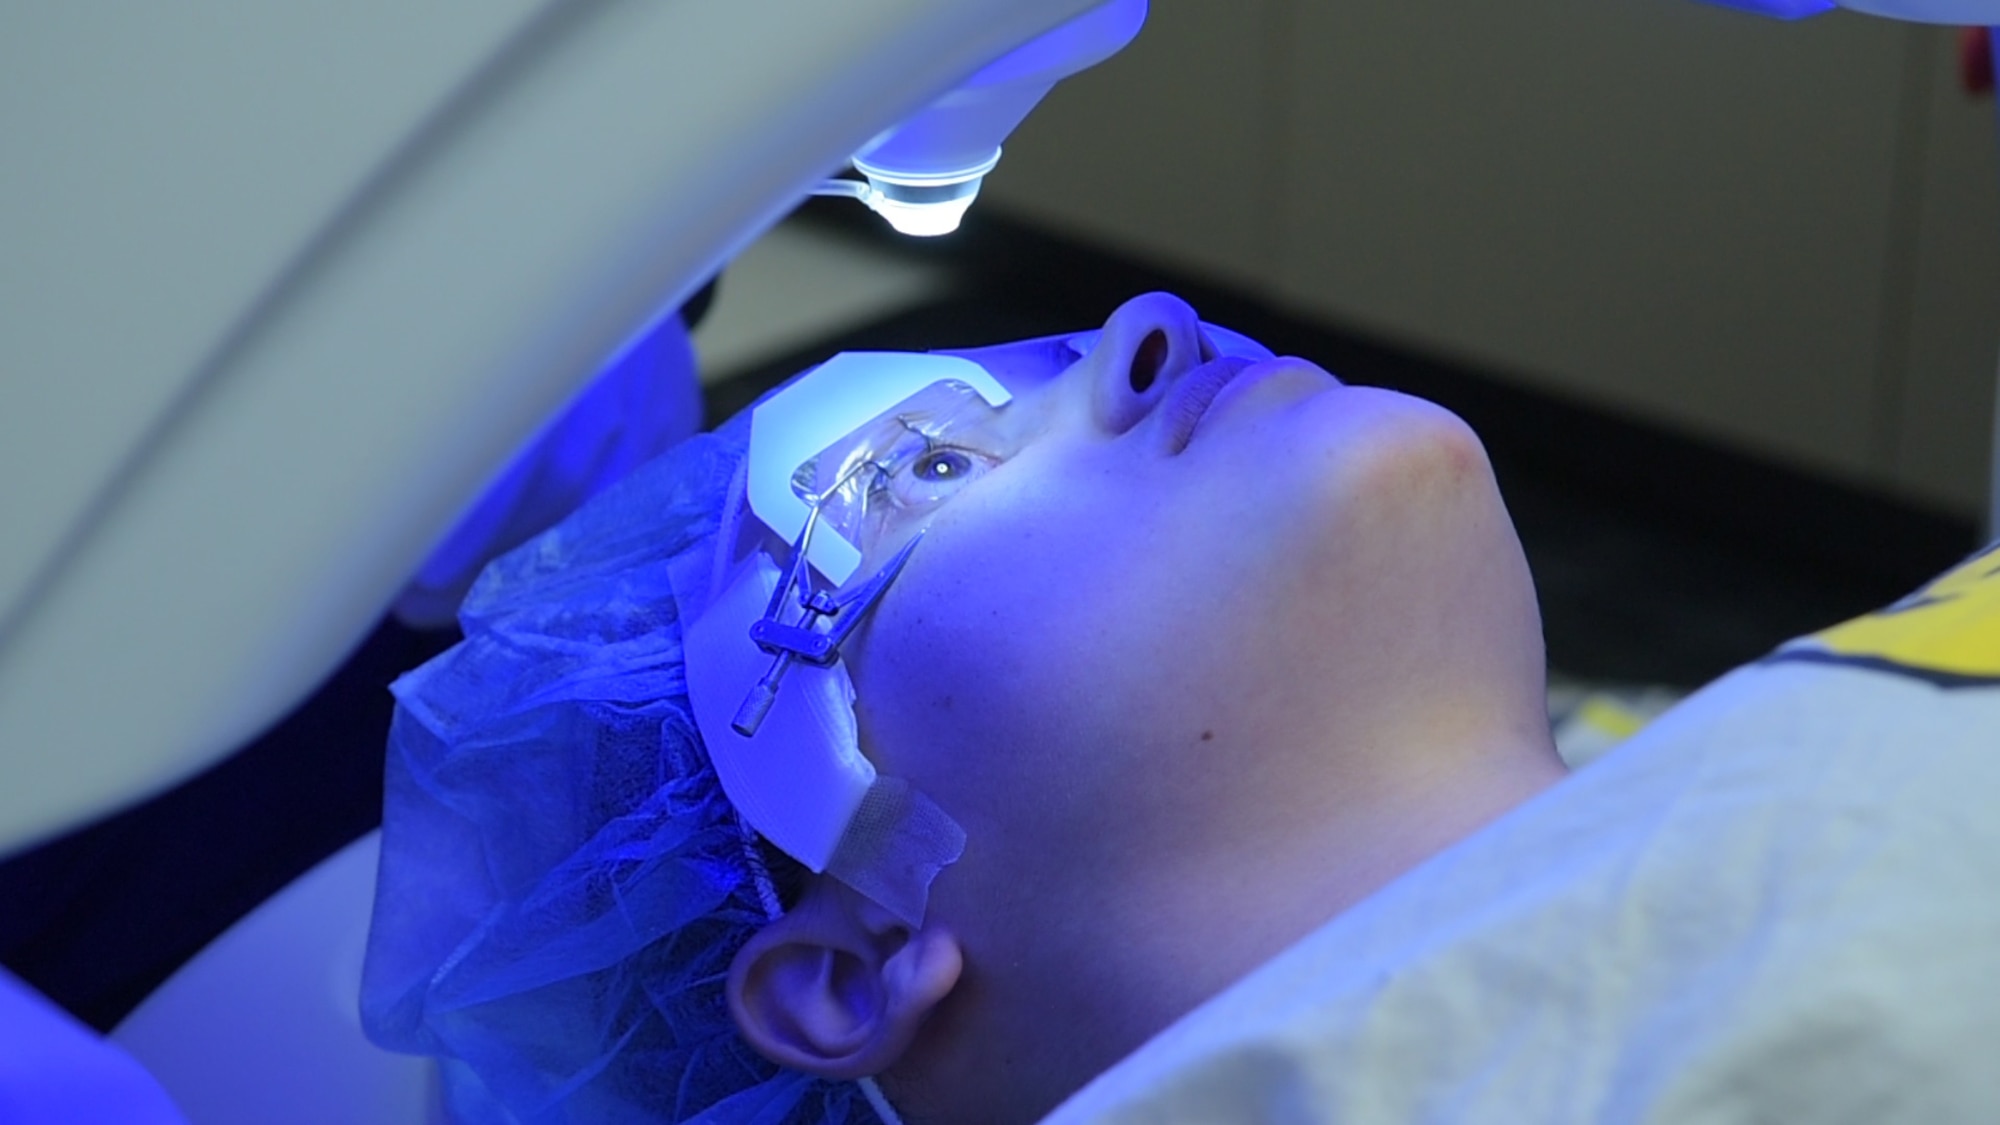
x,y
285,284
1957,12
264,1025
1963,12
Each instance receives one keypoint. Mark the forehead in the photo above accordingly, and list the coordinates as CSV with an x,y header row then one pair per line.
x,y
1025,365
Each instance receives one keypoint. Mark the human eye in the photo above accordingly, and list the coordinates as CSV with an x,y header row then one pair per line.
x,y
936,473
943,465
929,459
924,468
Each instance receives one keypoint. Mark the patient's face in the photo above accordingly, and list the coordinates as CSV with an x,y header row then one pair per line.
x,y
1135,653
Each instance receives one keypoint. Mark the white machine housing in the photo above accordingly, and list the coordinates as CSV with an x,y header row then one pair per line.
x,y
244,240
1957,12
286,285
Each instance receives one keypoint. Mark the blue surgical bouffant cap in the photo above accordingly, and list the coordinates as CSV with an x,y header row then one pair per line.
x,y
563,883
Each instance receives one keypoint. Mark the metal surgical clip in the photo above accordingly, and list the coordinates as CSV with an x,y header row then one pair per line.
x,y
803,639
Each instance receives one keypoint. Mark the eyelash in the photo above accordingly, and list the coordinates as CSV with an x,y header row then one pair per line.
x,y
880,486
881,491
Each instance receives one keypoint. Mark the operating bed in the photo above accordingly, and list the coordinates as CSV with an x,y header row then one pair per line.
x,y
246,243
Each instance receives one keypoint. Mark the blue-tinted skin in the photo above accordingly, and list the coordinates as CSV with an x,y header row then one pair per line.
x,y
1223,647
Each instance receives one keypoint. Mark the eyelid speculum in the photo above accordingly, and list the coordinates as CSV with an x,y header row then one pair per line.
x,y
803,639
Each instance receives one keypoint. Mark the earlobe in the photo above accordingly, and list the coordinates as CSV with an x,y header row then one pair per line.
x,y
838,987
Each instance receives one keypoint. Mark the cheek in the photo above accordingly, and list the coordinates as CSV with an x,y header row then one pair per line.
x,y
1069,636
1004,657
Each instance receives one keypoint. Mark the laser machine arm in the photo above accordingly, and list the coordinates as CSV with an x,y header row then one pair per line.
x,y
285,285
1957,12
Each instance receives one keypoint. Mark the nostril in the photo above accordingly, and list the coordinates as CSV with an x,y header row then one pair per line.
x,y
1147,361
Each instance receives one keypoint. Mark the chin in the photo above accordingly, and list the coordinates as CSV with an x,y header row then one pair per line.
x,y
1375,440
1375,484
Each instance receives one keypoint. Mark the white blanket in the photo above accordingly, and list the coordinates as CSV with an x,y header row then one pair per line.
x,y
1779,903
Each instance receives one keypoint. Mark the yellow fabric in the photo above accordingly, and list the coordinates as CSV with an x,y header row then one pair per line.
x,y
1611,717
1950,627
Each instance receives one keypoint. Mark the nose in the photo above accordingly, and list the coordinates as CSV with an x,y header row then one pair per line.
x,y
1147,344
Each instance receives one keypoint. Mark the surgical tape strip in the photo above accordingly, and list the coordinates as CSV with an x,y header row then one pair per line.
x,y
802,781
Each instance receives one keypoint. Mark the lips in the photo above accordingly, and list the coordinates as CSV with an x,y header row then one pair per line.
x,y
1189,398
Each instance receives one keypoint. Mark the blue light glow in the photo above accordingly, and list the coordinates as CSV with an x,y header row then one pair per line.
x,y
1779,9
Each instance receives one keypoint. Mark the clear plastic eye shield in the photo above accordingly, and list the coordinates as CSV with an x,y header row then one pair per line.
x,y
845,466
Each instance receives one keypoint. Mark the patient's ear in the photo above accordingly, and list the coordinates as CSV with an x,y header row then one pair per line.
x,y
839,986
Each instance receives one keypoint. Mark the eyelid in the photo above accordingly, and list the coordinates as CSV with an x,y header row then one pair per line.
x,y
892,488
880,486
985,458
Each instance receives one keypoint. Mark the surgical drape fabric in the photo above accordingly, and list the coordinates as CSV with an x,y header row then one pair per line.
x,y
1779,902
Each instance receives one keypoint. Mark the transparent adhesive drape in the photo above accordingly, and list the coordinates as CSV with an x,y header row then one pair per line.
x,y
802,780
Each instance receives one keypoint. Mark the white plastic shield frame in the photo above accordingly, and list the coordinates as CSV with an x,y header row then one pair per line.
x,y
801,780
796,425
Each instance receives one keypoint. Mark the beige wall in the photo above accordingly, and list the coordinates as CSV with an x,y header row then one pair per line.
x,y
1785,236
1942,387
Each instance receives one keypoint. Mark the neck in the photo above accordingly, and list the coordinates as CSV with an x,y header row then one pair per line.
x,y
1218,918
1168,935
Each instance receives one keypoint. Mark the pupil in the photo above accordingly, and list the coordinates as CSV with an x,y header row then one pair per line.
x,y
940,466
